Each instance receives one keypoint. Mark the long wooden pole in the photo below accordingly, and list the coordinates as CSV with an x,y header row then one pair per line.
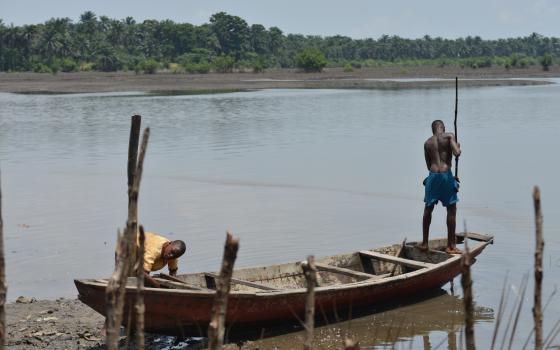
x,y
216,328
116,287
3,285
537,308
310,272
455,123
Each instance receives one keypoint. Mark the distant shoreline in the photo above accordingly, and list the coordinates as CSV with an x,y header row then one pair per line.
x,y
335,78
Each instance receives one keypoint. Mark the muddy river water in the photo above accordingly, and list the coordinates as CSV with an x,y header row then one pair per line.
x,y
292,173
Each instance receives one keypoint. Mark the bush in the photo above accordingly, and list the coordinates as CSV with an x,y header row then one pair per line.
x,y
54,66
224,64
348,67
524,62
176,68
201,68
258,65
311,60
86,67
149,66
41,68
546,61
107,60
356,64
197,55
68,65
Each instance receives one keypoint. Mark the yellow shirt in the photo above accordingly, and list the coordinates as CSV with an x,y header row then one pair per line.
x,y
153,260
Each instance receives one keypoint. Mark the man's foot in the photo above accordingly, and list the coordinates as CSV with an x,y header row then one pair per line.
x,y
453,250
423,247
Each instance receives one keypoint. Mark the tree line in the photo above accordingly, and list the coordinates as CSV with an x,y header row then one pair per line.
x,y
228,42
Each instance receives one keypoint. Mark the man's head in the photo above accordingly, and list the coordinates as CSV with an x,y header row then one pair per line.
x,y
174,250
438,127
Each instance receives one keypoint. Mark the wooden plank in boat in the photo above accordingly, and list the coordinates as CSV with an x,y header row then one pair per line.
x,y
475,236
413,264
347,272
244,282
178,285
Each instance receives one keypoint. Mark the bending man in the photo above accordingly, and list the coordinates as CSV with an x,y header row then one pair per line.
x,y
159,252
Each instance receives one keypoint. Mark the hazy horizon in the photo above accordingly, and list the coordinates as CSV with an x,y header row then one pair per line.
x,y
490,19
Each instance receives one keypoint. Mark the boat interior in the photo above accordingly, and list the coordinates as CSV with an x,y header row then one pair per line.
x,y
334,270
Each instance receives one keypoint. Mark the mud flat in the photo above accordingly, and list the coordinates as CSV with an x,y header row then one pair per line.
x,y
336,78
69,324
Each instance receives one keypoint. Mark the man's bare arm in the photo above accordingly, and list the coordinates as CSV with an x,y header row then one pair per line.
x,y
455,146
427,156
149,281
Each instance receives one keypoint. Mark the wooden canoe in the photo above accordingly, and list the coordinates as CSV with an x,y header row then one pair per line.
x,y
276,293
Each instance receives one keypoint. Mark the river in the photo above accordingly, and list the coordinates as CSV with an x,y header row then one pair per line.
x,y
292,173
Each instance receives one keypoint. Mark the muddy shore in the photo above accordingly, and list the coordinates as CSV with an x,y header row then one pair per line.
x,y
336,78
69,324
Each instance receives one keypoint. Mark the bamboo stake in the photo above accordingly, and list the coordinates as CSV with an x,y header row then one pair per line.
x,y
537,308
135,122
310,272
216,328
3,286
466,283
126,245
140,291
112,296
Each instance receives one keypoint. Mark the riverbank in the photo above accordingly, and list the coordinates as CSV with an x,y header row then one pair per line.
x,y
69,324
336,78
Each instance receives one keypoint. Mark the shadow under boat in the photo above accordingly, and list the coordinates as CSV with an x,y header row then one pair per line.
x,y
380,325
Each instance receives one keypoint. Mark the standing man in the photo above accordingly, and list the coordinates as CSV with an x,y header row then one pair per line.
x,y
440,185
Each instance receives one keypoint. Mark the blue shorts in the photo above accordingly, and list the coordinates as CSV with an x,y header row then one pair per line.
x,y
441,187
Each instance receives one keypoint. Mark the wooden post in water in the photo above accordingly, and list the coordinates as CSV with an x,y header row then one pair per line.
x,y
537,308
116,286
466,283
140,290
3,285
310,272
216,328
133,141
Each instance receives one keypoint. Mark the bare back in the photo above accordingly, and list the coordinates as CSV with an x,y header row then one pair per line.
x,y
438,151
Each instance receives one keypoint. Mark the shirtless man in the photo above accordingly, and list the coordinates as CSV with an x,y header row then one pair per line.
x,y
440,185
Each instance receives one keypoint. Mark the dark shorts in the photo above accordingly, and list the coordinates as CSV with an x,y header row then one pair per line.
x,y
441,187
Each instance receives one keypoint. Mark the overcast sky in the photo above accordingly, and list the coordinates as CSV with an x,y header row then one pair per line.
x,y
355,18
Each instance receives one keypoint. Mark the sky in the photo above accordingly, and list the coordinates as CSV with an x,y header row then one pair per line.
x,y
489,19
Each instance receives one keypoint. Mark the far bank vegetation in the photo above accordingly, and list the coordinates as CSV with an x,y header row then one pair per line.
x,y
229,44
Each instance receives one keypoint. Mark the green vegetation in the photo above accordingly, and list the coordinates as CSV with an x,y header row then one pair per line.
x,y
227,43
546,61
311,60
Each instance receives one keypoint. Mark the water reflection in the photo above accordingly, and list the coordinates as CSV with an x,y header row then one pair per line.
x,y
429,321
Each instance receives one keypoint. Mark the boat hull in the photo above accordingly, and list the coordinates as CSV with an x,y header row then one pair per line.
x,y
187,313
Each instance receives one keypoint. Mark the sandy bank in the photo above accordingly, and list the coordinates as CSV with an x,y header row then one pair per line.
x,y
371,78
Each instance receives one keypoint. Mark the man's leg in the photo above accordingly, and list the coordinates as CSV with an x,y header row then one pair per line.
x,y
426,221
451,225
